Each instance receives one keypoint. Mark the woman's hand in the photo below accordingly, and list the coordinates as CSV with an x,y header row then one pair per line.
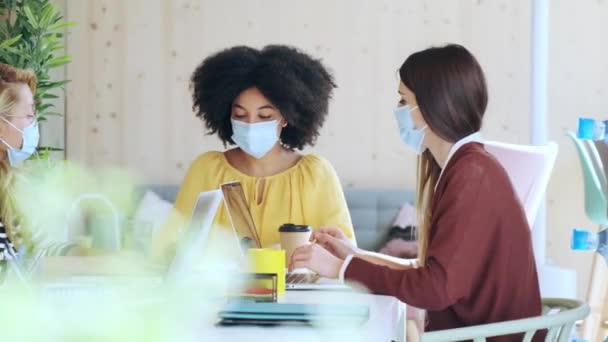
x,y
334,241
317,259
333,231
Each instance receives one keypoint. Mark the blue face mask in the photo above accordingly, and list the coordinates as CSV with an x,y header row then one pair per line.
x,y
255,139
31,137
411,136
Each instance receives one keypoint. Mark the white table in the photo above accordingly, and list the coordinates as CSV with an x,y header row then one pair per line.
x,y
386,321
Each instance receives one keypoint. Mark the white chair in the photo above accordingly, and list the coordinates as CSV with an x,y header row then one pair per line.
x,y
529,168
559,316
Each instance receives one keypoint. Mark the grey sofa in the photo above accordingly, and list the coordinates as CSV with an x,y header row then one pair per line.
x,y
372,210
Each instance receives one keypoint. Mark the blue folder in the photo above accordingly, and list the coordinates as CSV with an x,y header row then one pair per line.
x,y
278,313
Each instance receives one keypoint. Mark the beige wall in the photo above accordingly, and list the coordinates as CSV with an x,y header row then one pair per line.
x,y
129,102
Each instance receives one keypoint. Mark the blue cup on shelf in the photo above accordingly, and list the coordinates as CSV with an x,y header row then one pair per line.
x,y
582,240
591,129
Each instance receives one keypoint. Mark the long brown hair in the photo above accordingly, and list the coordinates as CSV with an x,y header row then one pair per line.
x,y
452,96
10,79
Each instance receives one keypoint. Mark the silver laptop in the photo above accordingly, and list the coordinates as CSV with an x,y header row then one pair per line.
x,y
197,233
184,262
247,234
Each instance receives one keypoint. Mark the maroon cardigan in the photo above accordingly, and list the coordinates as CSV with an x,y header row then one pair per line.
x,y
480,266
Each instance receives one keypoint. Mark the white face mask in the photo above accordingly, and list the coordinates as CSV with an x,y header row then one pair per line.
x,y
255,139
412,137
31,138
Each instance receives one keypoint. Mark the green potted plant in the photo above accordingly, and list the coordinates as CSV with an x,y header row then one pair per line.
x,y
31,37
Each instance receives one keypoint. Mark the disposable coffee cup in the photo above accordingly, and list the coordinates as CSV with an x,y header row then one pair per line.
x,y
293,236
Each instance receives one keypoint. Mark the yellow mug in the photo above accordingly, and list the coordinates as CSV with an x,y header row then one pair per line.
x,y
267,260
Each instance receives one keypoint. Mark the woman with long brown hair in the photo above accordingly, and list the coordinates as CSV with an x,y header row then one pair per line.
x,y
475,261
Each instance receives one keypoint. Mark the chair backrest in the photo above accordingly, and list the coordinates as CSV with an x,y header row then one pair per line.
x,y
559,316
596,205
529,168
597,161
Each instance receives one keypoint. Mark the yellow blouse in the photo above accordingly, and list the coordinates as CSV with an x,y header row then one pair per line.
x,y
307,193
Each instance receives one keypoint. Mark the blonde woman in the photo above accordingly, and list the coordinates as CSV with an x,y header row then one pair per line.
x,y
19,137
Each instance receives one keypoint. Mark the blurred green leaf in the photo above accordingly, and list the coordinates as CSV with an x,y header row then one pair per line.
x,y
5,44
44,107
49,149
48,11
50,114
50,96
59,61
61,26
30,17
50,85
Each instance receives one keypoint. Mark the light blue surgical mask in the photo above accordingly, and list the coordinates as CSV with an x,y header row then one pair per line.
x,y
411,136
255,139
31,137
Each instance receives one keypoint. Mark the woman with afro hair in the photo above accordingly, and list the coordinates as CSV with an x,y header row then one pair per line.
x,y
266,105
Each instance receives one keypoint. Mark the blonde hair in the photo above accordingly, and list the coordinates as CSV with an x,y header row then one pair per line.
x,y
10,79
428,175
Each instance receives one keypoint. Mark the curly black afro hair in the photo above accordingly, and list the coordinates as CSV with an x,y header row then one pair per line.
x,y
297,84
